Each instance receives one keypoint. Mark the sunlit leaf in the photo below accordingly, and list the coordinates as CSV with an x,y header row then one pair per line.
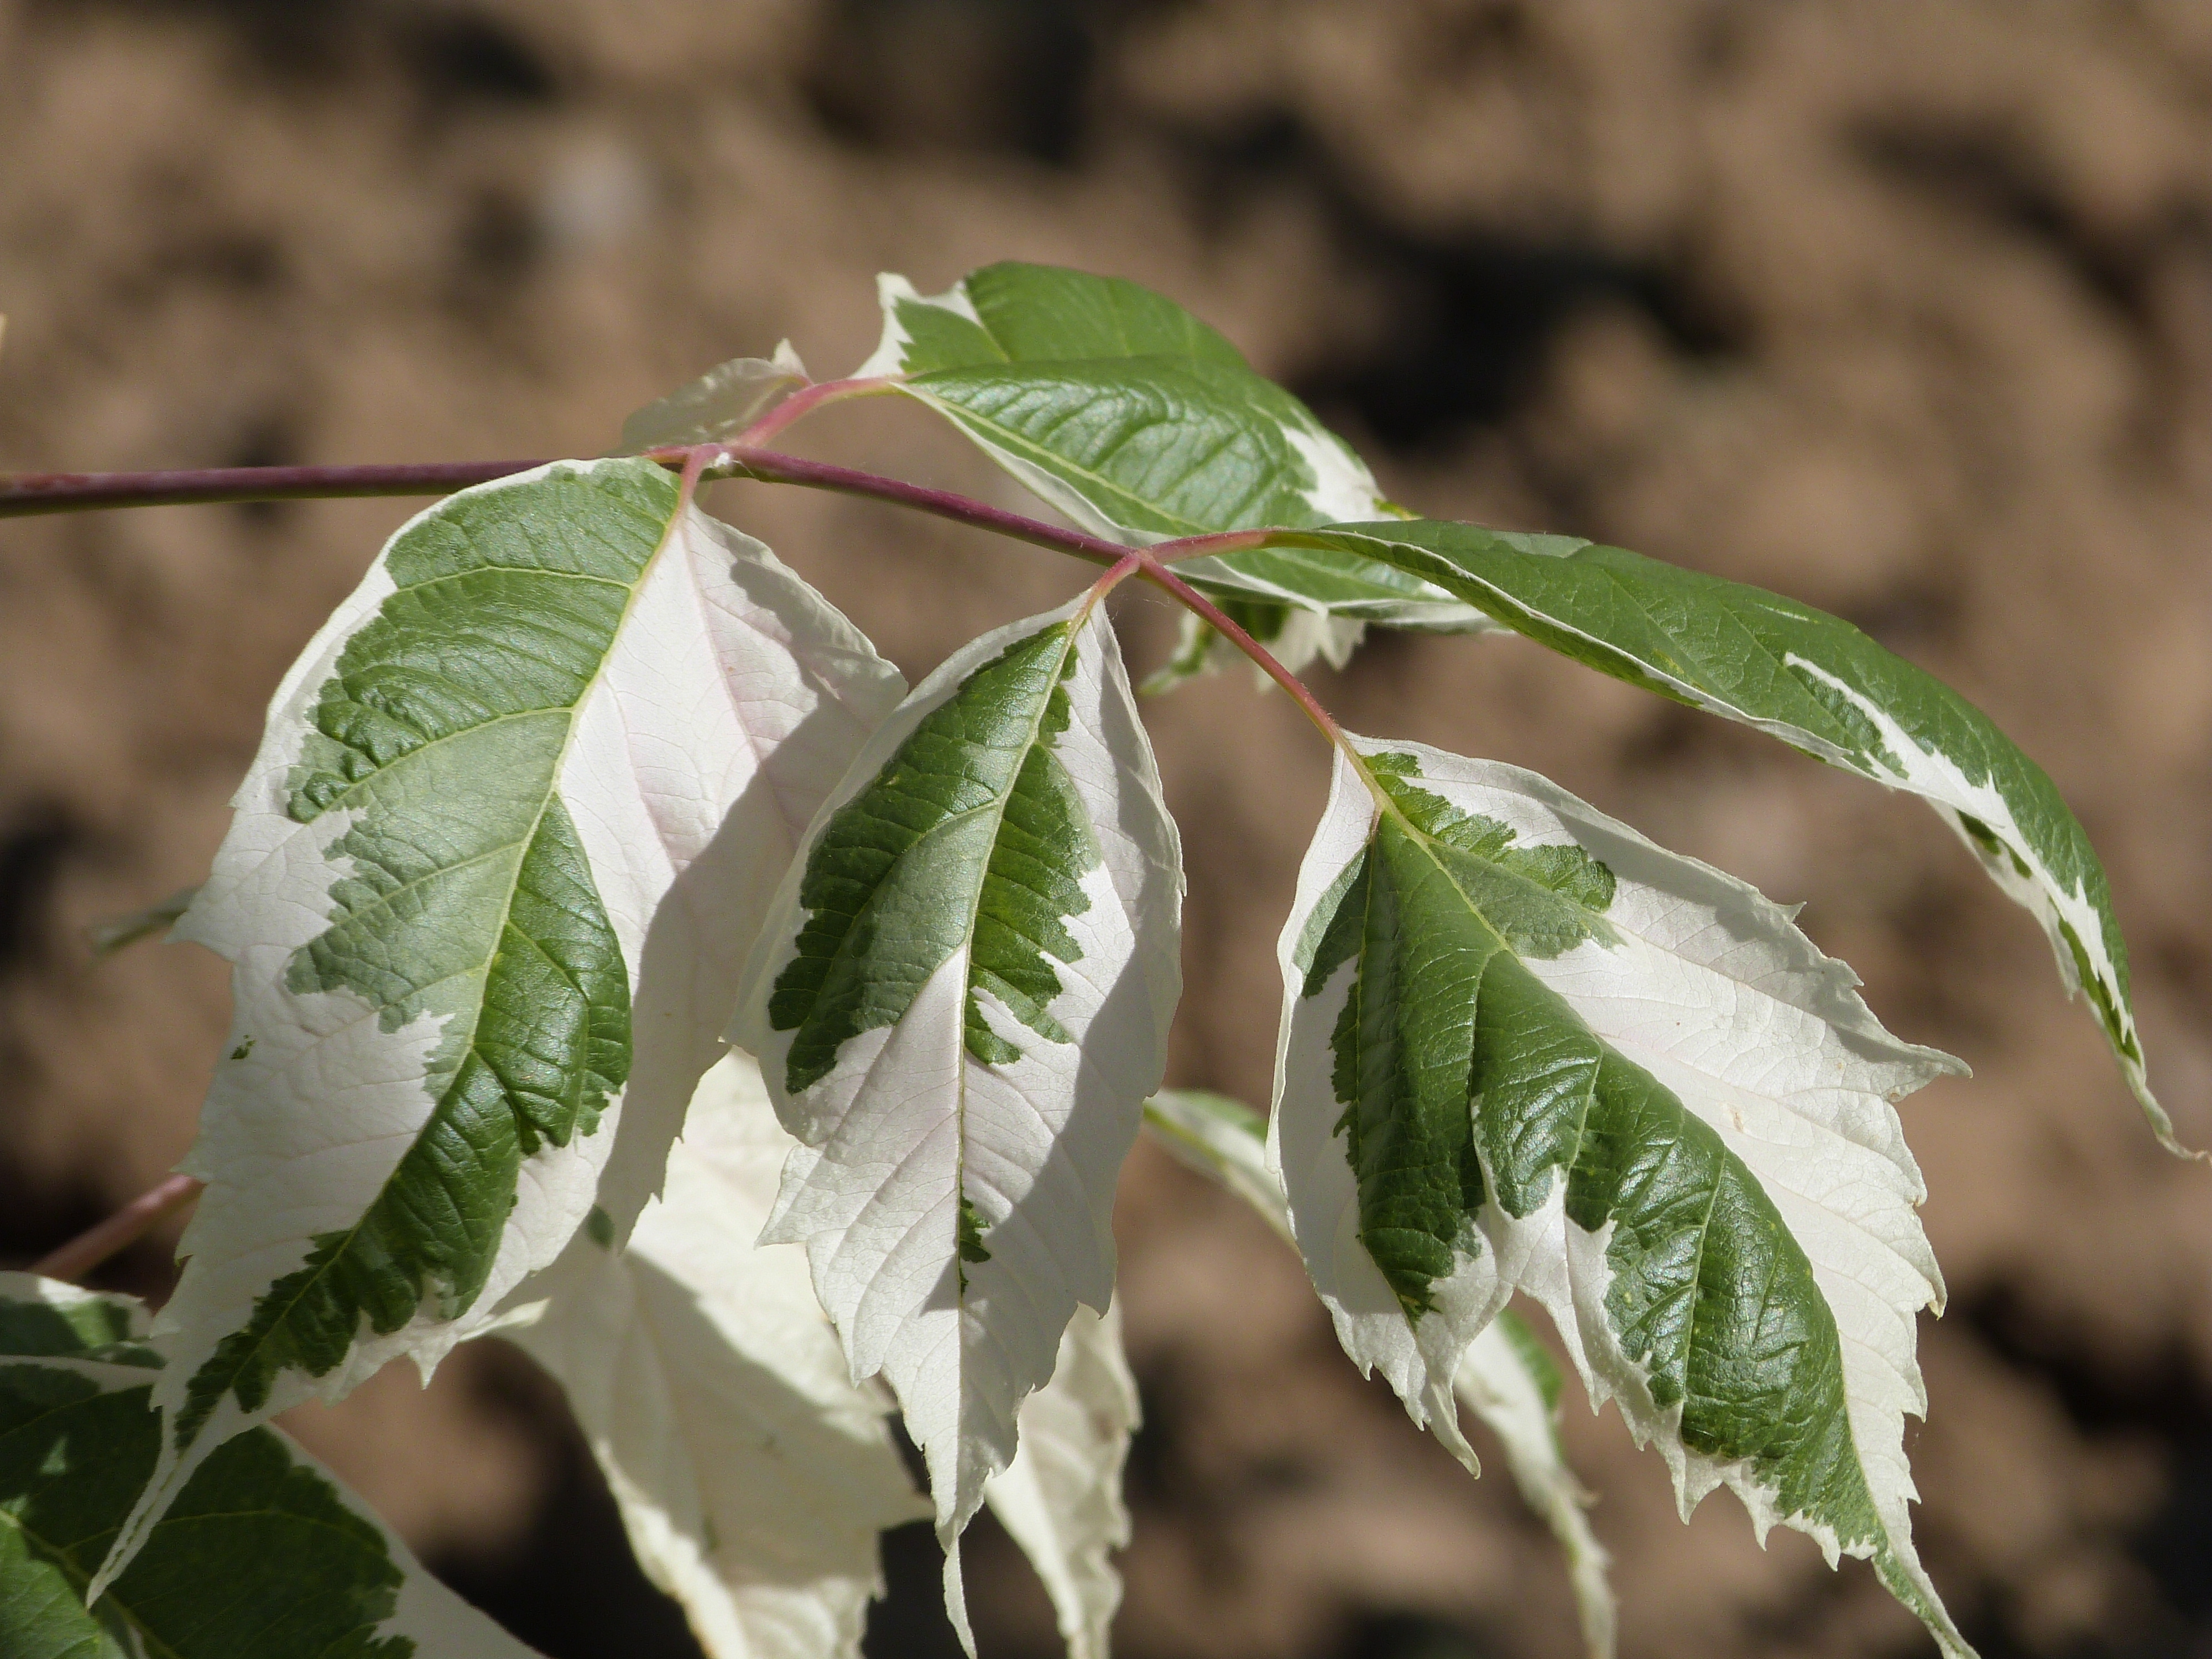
x,y
518,810
1525,1049
960,1004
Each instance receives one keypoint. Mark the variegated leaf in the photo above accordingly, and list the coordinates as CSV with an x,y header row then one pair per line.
x,y
1141,423
960,1004
518,810
1524,1049
1818,684
752,1476
264,1555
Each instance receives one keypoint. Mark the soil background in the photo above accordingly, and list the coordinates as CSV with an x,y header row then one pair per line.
x,y
1904,309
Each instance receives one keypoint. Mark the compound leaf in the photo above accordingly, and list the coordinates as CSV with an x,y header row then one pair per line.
x,y
1141,423
752,1476
1061,1498
1821,685
1525,1049
263,1556
518,811
960,1004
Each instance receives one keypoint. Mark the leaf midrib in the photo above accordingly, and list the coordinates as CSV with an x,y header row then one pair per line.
x,y
1074,626
1428,845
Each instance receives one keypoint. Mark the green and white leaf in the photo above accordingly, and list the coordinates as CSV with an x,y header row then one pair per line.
x,y
1061,1498
1506,1379
1525,1049
1821,685
264,1556
960,1004
519,810
752,1476
1142,424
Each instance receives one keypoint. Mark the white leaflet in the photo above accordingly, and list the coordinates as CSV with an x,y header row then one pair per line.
x,y
908,1124
729,697
1499,1383
1708,988
752,1476
1060,1497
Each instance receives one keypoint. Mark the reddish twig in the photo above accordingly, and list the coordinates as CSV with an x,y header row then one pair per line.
x,y
125,1227
1222,623
25,493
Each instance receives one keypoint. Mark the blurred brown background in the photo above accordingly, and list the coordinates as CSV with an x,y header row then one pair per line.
x,y
1905,309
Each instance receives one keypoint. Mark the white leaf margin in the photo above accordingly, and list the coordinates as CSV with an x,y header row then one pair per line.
x,y
1784,1061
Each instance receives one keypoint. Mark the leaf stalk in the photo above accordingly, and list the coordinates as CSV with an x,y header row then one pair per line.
x,y
118,1231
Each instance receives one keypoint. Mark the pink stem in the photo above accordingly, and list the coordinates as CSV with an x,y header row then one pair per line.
x,y
1212,614
58,492
803,403
125,1227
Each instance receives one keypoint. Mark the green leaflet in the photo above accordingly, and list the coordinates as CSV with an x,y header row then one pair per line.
x,y
1817,683
1124,410
1159,447
971,828
1048,313
260,1557
465,896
